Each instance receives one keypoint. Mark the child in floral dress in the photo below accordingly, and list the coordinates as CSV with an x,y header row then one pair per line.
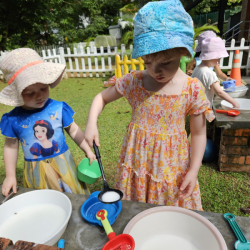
x,y
155,164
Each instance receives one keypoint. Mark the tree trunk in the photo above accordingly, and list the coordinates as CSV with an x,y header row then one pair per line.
x,y
4,38
46,32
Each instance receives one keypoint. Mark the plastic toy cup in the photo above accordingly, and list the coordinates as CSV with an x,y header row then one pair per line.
x,y
229,86
88,173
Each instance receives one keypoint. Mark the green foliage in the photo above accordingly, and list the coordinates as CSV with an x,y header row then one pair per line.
x,y
127,37
207,6
128,30
22,21
235,10
130,8
90,39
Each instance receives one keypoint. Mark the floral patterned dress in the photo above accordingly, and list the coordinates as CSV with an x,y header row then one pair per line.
x,y
155,155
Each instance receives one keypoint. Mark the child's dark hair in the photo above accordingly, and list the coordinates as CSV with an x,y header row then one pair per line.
x,y
45,124
169,54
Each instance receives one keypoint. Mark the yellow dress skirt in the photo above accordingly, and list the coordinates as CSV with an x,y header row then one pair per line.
x,y
57,173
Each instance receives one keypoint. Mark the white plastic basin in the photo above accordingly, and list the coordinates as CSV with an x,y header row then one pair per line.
x,y
244,105
173,228
39,216
239,91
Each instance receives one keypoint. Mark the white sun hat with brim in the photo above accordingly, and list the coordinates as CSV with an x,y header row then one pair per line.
x,y
24,67
202,36
213,48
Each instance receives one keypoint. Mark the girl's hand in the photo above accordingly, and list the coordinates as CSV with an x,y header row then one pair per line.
x,y
9,182
236,105
188,185
91,156
91,134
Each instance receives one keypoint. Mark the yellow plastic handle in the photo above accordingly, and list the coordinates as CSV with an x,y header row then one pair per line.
x,y
102,216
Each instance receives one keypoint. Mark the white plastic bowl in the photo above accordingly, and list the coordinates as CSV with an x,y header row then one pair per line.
x,y
39,216
239,91
244,105
173,228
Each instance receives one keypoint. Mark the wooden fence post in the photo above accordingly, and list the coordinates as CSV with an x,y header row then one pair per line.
x,y
61,51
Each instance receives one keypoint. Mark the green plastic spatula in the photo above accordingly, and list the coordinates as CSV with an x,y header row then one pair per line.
x,y
242,243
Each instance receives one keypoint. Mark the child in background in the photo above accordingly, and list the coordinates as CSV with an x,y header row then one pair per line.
x,y
196,61
154,165
213,49
38,122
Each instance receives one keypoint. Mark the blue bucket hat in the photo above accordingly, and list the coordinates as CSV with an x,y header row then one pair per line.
x,y
160,26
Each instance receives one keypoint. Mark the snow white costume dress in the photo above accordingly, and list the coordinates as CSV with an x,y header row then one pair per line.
x,y
48,163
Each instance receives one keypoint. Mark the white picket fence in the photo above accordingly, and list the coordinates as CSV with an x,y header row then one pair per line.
x,y
85,61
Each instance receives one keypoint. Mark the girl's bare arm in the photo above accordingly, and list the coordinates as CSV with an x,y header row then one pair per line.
x,y
223,95
98,104
10,155
78,137
220,74
198,140
198,144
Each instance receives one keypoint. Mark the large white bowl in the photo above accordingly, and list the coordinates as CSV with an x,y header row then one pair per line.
x,y
173,228
239,91
39,216
244,105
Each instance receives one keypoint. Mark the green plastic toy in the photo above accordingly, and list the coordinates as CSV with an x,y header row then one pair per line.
x,y
184,61
88,173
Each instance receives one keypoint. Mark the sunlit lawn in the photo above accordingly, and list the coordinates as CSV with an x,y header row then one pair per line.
x,y
221,191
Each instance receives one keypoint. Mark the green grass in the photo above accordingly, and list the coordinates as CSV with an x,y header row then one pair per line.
x,y
221,191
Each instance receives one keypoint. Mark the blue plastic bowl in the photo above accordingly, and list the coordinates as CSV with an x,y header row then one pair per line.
x,y
92,205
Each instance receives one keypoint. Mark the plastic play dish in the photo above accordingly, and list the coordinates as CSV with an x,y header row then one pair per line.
x,y
168,228
39,216
238,92
92,205
88,173
244,105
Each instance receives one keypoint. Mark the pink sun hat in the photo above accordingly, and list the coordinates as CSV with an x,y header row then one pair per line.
x,y
202,36
213,48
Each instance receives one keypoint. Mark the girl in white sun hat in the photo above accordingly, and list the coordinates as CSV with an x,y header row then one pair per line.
x,y
38,123
212,50
196,61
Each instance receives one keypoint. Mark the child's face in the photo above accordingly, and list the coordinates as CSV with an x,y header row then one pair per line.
x,y
40,132
214,62
35,96
211,62
162,69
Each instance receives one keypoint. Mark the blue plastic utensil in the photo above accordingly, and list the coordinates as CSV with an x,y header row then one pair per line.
x,y
61,243
242,243
229,86
92,205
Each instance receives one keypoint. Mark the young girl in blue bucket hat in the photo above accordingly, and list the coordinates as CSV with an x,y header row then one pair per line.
x,y
155,164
